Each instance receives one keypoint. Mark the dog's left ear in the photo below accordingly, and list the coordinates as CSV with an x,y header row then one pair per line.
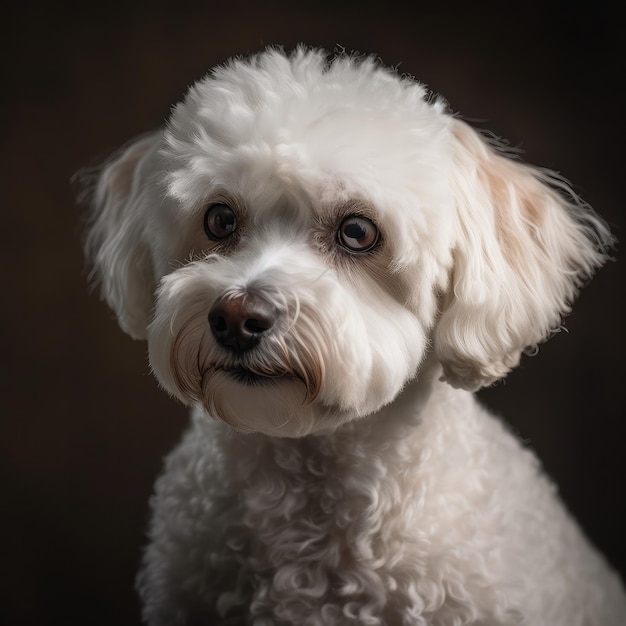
x,y
524,245
117,242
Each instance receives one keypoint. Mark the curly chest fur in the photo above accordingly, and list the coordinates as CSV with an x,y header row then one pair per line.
x,y
325,531
313,540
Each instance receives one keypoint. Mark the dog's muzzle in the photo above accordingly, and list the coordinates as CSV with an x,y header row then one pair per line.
x,y
238,322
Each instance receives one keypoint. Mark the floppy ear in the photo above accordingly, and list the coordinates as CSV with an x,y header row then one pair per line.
x,y
116,241
524,245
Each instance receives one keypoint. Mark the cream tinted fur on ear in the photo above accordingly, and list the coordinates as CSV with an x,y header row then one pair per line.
x,y
312,248
525,244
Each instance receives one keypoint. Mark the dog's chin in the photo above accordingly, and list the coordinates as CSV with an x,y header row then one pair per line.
x,y
277,406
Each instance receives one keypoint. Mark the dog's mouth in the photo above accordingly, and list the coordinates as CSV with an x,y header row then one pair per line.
x,y
250,378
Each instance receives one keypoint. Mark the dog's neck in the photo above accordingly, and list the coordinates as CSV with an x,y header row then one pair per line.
x,y
319,461
406,412
393,422
407,417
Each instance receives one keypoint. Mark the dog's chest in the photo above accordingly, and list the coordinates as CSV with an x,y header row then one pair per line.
x,y
315,526
305,503
324,528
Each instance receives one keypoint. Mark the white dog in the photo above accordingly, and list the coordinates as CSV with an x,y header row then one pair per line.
x,y
325,263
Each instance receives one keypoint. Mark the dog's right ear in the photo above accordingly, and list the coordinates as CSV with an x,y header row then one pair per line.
x,y
525,246
116,241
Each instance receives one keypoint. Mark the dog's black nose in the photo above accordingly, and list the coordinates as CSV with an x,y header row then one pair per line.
x,y
239,321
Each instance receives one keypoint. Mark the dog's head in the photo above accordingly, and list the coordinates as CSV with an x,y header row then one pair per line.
x,y
303,232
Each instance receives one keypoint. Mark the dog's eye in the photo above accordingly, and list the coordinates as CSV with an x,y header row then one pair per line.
x,y
220,221
358,234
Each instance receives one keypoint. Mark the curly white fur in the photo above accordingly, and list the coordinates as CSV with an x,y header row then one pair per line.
x,y
370,487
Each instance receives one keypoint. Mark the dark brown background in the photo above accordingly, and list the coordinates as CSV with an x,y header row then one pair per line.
x,y
84,426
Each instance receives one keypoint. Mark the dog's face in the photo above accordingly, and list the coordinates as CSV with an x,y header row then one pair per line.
x,y
301,234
